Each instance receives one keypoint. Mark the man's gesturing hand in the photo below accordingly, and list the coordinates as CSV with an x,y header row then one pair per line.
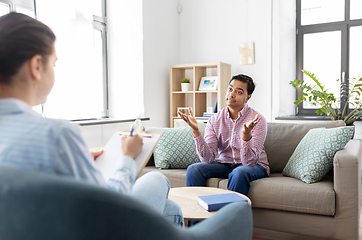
x,y
248,127
191,121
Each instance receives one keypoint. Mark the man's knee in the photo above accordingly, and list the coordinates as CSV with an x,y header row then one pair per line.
x,y
193,168
241,172
198,169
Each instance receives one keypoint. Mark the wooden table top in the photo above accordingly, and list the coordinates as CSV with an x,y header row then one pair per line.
x,y
187,198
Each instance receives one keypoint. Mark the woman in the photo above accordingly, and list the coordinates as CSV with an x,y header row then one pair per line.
x,y
29,141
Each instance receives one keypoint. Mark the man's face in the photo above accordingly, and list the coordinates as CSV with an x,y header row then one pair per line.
x,y
237,95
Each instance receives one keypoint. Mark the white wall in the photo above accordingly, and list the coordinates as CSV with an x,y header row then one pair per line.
x,y
210,31
283,57
158,46
125,57
161,46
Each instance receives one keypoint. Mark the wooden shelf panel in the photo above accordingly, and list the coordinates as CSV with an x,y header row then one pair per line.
x,y
196,92
181,92
207,91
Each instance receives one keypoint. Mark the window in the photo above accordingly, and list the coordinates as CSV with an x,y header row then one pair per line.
x,y
80,89
329,33
26,11
22,6
4,8
84,87
100,43
27,8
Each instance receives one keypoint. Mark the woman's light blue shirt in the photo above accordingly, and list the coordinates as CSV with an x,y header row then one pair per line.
x,y
30,141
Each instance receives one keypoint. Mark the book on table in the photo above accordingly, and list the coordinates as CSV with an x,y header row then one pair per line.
x,y
216,201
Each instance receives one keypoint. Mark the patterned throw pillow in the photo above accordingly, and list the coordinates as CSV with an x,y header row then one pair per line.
x,y
175,149
313,157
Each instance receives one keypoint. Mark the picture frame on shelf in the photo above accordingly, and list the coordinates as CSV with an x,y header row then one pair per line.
x,y
184,110
208,83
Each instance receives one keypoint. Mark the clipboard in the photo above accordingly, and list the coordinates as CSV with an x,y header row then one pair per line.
x,y
113,151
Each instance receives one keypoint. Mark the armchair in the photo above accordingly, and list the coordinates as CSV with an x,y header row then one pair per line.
x,y
36,205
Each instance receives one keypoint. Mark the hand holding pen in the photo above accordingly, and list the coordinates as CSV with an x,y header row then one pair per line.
x,y
132,145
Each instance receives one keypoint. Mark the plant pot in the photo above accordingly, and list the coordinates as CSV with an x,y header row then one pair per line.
x,y
185,87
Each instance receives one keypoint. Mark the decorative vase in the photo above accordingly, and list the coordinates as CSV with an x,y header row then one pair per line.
x,y
185,87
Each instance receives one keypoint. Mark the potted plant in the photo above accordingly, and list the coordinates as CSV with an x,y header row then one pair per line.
x,y
318,96
185,84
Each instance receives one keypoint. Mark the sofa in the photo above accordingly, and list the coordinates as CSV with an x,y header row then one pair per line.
x,y
36,206
329,208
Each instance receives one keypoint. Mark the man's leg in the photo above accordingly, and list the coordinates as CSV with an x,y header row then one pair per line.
x,y
198,173
241,176
152,189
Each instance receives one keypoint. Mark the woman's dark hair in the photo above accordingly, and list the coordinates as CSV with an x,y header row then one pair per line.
x,y
246,79
21,38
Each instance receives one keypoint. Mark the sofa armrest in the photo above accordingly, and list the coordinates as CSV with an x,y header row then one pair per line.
x,y
347,185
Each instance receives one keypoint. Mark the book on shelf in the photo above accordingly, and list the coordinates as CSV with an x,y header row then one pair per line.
x,y
215,106
206,114
216,201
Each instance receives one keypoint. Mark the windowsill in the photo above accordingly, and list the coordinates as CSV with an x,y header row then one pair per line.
x,y
102,121
306,118
314,118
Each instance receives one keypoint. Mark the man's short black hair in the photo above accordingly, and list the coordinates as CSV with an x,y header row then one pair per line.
x,y
246,79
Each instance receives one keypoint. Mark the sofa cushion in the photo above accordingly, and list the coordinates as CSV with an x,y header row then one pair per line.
x,y
289,194
283,138
313,157
175,149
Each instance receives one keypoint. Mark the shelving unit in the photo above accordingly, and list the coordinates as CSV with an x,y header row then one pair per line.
x,y
197,100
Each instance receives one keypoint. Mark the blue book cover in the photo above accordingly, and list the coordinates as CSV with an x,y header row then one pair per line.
x,y
208,114
215,106
217,201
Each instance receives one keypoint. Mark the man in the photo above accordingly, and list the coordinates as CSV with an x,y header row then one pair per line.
x,y
237,133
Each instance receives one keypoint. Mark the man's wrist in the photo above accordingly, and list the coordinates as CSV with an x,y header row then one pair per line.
x,y
247,137
197,133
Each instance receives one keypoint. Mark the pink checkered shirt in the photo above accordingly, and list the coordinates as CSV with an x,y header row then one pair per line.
x,y
223,136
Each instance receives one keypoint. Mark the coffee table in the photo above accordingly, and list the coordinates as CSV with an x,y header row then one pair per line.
x,y
187,198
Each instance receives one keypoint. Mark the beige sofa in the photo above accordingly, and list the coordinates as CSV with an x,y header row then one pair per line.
x,y
329,208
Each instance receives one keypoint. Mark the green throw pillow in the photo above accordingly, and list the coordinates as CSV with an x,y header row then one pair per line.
x,y
175,149
313,157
